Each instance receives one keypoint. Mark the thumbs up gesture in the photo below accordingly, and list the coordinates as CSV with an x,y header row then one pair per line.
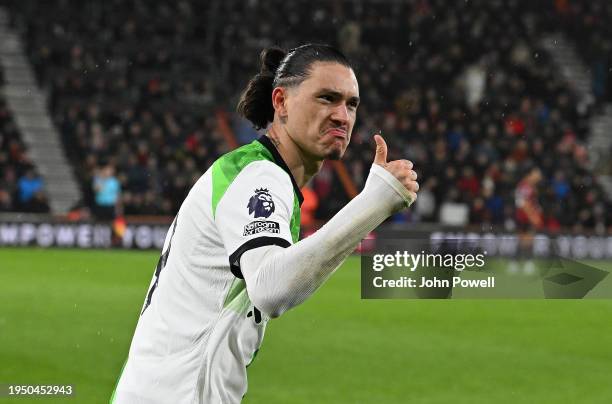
x,y
401,169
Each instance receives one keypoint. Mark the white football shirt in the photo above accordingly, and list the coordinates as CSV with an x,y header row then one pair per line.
x,y
198,330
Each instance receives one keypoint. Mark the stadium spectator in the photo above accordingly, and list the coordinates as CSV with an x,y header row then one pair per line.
x,y
28,185
528,209
107,191
6,201
309,206
38,203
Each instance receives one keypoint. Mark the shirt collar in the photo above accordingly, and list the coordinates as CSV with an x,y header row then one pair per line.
x,y
267,143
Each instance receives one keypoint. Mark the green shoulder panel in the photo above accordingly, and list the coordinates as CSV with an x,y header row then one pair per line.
x,y
228,166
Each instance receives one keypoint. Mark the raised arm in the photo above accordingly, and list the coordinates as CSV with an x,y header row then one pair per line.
x,y
279,278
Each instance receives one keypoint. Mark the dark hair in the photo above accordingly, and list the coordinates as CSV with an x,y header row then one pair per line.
x,y
281,69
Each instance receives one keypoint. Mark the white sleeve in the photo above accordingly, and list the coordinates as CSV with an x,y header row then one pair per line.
x,y
278,278
255,211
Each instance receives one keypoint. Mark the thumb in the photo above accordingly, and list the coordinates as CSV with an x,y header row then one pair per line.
x,y
381,151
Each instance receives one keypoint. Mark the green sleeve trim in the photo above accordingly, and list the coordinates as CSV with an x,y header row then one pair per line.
x,y
295,219
112,399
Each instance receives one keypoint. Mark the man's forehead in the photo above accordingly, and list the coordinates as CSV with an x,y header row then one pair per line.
x,y
333,76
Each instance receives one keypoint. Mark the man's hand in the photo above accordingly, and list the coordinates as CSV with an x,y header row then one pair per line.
x,y
401,169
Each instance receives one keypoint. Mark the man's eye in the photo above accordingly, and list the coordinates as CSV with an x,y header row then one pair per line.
x,y
327,98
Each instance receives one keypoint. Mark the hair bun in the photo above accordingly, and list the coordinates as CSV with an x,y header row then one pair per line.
x,y
283,69
271,59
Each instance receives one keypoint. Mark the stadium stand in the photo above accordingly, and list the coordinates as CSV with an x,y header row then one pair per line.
x,y
464,90
121,103
21,188
588,23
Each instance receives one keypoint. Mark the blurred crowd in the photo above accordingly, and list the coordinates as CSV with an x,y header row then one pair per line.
x,y
21,187
462,89
587,23
123,99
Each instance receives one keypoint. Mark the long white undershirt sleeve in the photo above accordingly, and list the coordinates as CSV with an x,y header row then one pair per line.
x,y
280,278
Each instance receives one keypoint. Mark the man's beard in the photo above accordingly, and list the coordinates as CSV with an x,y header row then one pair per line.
x,y
335,154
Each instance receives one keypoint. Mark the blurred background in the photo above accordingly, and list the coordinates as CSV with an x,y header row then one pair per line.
x,y
114,109
111,110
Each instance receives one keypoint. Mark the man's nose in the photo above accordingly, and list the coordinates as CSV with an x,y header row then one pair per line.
x,y
340,114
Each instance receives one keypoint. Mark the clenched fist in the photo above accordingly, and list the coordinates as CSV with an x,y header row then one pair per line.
x,y
401,169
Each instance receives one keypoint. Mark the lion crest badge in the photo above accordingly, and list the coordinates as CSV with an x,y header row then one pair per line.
x,y
261,204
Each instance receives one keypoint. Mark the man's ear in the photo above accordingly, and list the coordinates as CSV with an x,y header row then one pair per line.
x,y
279,101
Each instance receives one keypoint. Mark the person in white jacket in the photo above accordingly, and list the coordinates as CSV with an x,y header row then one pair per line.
x,y
232,258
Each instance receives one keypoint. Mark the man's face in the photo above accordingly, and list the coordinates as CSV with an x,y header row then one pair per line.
x,y
536,176
321,111
106,171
